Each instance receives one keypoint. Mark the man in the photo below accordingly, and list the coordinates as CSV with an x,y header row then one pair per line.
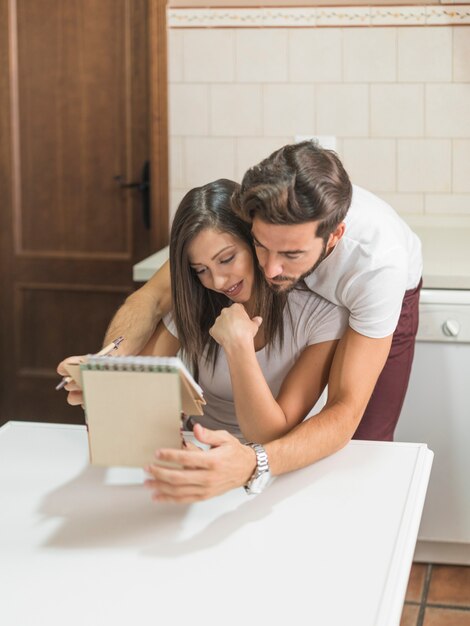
x,y
308,224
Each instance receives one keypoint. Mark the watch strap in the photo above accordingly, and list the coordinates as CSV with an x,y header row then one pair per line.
x,y
262,465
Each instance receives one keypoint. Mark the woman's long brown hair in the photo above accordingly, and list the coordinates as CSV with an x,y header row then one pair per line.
x,y
195,308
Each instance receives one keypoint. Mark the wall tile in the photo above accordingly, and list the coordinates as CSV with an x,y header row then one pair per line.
x,y
188,109
369,54
405,203
425,54
252,150
339,145
208,158
424,165
176,195
288,110
371,163
315,55
175,150
447,204
461,165
342,110
447,110
261,55
408,141
236,110
397,110
209,55
175,56
461,56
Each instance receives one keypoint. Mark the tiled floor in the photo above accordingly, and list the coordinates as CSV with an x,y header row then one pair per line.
x,y
437,595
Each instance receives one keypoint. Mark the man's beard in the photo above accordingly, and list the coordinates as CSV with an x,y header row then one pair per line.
x,y
291,282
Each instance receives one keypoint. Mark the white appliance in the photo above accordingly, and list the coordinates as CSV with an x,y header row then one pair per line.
x,y
437,412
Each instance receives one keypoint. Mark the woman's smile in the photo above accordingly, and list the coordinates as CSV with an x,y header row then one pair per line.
x,y
234,290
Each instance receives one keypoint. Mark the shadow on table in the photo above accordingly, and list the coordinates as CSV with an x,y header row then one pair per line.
x,y
98,513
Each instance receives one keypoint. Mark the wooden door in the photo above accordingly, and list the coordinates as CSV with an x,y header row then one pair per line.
x,y
82,102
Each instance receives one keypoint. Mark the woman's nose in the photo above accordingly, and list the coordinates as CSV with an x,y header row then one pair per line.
x,y
219,281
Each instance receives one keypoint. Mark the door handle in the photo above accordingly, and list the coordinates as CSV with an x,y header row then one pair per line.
x,y
143,185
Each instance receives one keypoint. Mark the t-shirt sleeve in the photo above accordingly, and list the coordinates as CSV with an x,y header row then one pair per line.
x,y
326,322
170,325
374,301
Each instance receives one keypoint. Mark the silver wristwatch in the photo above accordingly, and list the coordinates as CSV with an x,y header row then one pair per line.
x,y
261,475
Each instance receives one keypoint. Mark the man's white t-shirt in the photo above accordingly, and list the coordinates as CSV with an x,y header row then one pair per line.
x,y
373,264
311,320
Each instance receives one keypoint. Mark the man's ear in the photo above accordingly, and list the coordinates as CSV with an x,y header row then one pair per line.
x,y
335,236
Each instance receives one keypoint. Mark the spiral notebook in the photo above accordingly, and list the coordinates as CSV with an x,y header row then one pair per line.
x,y
133,406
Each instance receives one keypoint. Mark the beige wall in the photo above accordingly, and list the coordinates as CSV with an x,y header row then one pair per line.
x,y
396,98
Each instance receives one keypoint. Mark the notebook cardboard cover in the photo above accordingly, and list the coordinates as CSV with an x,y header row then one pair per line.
x,y
130,414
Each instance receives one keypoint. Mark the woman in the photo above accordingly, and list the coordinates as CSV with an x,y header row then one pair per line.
x,y
276,349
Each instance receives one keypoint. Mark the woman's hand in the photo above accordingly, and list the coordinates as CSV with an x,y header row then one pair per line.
x,y
234,327
75,393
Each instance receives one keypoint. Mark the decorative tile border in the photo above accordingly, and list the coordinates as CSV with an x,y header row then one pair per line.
x,y
347,16
398,16
448,15
319,16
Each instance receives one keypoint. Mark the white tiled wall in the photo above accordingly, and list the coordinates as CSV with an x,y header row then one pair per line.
x,y
397,99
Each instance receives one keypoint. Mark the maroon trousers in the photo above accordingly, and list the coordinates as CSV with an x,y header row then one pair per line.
x,y
382,413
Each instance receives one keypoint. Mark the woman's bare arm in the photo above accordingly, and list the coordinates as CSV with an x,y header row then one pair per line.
x,y
161,343
261,416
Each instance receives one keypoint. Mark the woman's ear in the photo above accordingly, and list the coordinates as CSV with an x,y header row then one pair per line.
x,y
335,236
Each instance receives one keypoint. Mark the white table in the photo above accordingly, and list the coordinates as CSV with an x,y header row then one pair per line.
x,y
330,545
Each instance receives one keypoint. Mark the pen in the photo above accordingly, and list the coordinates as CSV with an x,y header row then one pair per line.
x,y
104,352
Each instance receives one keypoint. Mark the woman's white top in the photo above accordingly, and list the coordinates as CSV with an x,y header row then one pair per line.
x,y
314,320
373,264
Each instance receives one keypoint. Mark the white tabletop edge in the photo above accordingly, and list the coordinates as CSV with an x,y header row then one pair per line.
x,y
354,442
395,587
27,424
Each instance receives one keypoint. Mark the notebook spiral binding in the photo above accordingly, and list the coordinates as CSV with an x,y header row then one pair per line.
x,y
139,364
133,364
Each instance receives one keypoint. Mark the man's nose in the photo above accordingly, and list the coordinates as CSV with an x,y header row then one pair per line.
x,y
272,266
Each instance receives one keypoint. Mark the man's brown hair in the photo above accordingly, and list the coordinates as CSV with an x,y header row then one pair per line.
x,y
298,183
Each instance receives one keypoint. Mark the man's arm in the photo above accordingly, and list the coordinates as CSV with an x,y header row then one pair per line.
x,y
262,416
356,367
138,317
136,321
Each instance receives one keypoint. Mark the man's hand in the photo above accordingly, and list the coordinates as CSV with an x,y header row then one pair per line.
x,y
204,474
75,394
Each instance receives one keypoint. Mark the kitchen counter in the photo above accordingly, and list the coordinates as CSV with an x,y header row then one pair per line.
x,y
146,269
330,544
446,252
